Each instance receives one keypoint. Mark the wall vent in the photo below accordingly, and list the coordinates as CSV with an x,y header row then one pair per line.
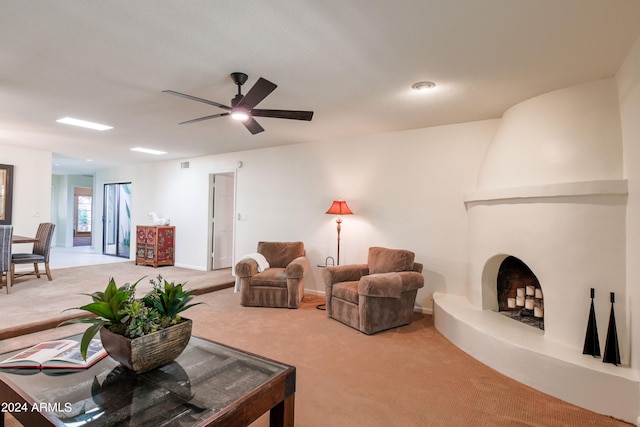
x,y
184,165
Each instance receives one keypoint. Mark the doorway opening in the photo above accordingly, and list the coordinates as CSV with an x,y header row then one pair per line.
x,y
221,224
82,207
116,220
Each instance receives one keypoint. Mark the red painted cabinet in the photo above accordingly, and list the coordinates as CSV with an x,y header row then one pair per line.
x,y
155,245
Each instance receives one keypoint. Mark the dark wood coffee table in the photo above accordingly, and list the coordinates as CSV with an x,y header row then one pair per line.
x,y
209,384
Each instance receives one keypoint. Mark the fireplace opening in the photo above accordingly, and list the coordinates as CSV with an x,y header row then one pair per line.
x,y
519,293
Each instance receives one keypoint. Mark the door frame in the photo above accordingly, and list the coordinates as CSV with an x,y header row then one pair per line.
x,y
210,222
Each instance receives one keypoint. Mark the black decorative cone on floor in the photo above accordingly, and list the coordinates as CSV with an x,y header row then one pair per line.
x,y
611,349
591,341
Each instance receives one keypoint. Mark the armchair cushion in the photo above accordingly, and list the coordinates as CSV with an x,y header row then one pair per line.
x,y
390,285
347,291
271,277
383,260
280,254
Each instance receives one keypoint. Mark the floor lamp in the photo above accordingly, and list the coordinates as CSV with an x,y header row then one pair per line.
x,y
339,207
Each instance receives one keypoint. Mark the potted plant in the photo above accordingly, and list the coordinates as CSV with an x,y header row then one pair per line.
x,y
140,333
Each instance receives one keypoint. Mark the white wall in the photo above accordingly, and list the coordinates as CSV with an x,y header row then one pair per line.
x,y
568,135
405,189
629,93
31,187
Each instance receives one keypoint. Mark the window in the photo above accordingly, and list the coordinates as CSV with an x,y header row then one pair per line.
x,y
83,207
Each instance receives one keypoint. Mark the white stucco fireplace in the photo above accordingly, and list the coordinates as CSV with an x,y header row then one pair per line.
x,y
550,192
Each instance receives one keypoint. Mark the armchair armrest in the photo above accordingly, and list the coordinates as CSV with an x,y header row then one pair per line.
x,y
344,273
246,267
390,285
297,268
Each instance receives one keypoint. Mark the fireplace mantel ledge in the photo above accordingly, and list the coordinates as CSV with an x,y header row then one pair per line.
x,y
567,189
523,353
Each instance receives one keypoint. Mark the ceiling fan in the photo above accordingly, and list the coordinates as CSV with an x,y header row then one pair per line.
x,y
242,106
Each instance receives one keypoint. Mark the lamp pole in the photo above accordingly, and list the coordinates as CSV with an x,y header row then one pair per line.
x,y
339,221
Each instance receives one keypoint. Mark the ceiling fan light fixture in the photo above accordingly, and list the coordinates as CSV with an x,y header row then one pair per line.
x,y
423,86
240,115
243,106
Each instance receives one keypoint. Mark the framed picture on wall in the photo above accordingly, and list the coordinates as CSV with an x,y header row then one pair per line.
x,y
6,193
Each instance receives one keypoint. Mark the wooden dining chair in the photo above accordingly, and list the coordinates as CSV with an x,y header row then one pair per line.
x,y
6,233
40,253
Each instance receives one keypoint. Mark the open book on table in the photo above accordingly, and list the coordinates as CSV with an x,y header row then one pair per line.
x,y
63,354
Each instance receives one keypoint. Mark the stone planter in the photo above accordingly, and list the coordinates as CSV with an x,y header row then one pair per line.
x,y
150,351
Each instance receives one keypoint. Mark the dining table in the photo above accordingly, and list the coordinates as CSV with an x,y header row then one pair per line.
x,y
23,239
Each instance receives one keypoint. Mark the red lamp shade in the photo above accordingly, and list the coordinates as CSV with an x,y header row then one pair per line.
x,y
339,207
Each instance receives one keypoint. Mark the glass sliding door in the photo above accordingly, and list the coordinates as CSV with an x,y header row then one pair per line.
x,y
116,220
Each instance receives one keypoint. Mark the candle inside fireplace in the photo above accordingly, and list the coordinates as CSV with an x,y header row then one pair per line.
x,y
538,312
538,293
520,292
528,304
530,290
511,302
520,301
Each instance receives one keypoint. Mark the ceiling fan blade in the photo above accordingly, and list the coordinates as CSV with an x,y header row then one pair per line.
x,y
253,126
195,98
283,114
257,93
213,116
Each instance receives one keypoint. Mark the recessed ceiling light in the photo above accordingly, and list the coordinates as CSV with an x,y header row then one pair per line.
x,y
148,151
423,86
83,123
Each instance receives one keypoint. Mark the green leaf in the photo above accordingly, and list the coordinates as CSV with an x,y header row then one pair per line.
x,y
111,290
88,336
81,320
116,303
101,309
191,305
96,296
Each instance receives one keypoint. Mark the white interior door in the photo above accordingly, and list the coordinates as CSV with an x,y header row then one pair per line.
x,y
222,198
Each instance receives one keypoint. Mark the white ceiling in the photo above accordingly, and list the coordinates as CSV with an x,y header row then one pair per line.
x,y
350,61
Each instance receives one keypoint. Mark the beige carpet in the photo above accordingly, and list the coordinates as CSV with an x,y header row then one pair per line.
x,y
409,376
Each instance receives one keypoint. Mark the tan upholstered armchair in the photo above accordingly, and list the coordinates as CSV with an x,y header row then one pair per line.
x,y
280,283
375,296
